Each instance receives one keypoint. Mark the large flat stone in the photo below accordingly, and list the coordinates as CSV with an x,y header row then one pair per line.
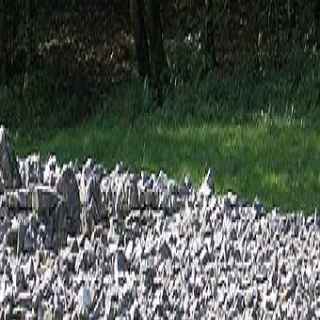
x,y
43,199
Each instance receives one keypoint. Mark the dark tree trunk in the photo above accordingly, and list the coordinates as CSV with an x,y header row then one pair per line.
x,y
29,16
158,61
208,37
137,12
317,21
148,36
27,44
157,52
3,42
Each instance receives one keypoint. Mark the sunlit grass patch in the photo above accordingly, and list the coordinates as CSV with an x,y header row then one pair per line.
x,y
278,164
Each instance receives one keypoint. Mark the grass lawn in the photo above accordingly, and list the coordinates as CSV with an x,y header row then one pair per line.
x,y
279,164
261,136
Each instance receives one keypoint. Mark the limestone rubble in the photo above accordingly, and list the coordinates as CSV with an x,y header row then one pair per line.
x,y
84,243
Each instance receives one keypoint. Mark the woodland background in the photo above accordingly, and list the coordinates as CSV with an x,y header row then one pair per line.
x,y
77,49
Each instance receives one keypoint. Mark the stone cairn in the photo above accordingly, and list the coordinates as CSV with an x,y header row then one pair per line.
x,y
79,242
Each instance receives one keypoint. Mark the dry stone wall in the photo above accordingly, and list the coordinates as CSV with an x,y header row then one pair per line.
x,y
82,242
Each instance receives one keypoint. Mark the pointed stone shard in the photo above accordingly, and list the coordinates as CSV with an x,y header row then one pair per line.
x,y
29,241
84,301
2,186
30,269
165,251
129,250
121,264
33,170
50,171
87,170
88,214
93,197
135,312
207,187
67,186
133,201
74,247
258,208
186,187
150,199
59,220
9,170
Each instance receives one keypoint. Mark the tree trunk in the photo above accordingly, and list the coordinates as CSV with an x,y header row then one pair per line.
x,y
157,53
208,38
137,12
29,41
148,36
3,42
317,21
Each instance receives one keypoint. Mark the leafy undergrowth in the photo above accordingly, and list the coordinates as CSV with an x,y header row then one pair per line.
x,y
260,134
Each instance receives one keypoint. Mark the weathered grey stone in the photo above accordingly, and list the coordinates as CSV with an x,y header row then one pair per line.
x,y
12,199
216,258
2,185
93,193
31,315
30,269
60,231
48,314
24,299
164,251
258,208
19,312
24,198
7,311
87,171
133,200
135,312
84,260
84,301
121,263
207,186
150,199
50,174
29,241
9,171
57,307
44,199
74,247
68,188
15,236
33,170
88,215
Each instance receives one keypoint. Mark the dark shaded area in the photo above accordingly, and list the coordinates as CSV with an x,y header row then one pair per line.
x,y
58,57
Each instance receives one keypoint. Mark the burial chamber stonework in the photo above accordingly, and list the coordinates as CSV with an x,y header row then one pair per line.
x,y
81,241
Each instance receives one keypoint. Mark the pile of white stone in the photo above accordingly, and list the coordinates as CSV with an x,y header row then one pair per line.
x,y
79,242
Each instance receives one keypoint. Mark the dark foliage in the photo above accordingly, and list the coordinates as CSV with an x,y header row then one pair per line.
x,y
56,56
